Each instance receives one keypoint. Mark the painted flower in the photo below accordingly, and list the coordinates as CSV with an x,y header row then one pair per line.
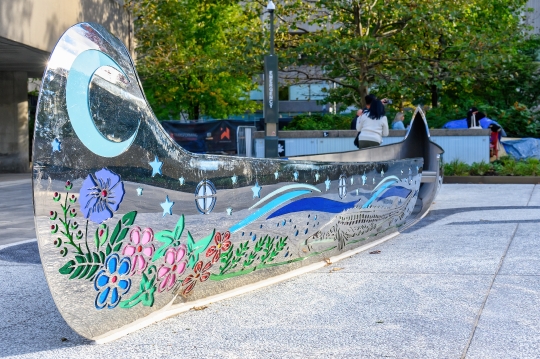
x,y
175,264
101,194
200,274
222,244
112,282
140,248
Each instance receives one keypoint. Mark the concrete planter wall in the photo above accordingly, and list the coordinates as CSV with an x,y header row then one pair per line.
x,y
464,145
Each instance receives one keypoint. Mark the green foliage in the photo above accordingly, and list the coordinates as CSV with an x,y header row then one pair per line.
x,y
195,56
145,294
479,169
504,166
319,121
456,168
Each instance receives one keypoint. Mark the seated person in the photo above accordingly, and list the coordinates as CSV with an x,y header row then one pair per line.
x,y
397,124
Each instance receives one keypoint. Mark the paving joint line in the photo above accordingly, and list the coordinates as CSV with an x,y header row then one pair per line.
x,y
488,292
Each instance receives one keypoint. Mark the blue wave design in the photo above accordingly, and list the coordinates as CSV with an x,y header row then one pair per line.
x,y
267,208
378,193
314,204
395,191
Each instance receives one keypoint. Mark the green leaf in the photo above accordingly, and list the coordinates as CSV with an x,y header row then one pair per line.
x,y
166,237
197,248
115,233
129,218
117,247
179,228
108,250
146,291
67,268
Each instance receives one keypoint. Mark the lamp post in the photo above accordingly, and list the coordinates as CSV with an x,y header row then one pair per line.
x,y
271,98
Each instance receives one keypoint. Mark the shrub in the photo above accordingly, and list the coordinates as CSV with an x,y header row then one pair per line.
x,y
480,169
318,121
456,168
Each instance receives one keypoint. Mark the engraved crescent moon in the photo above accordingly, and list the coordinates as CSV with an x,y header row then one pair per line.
x,y
78,106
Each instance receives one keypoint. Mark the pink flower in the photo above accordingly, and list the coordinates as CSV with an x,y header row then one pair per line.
x,y
140,248
222,244
201,274
175,264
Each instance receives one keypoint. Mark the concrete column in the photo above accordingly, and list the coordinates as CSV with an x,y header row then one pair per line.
x,y
14,156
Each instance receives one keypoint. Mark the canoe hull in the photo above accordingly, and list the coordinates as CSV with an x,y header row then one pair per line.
x,y
132,228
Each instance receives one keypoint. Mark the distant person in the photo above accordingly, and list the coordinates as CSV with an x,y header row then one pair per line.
x,y
470,114
373,125
397,124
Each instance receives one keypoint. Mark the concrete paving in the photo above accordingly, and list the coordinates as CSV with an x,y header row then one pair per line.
x,y
16,211
462,283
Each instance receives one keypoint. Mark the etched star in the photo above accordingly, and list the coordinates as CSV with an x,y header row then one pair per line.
x,y
327,183
167,206
276,174
317,176
295,174
234,179
256,190
139,191
182,180
156,166
229,211
56,145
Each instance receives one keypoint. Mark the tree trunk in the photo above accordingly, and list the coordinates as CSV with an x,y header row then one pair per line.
x,y
434,96
363,92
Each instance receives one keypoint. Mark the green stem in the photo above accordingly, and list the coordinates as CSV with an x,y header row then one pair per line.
x,y
86,237
218,277
66,224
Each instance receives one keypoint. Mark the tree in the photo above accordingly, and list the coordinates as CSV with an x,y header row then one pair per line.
x,y
193,56
402,47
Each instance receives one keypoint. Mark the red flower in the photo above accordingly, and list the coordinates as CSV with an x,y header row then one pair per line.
x,y
223,244
200,274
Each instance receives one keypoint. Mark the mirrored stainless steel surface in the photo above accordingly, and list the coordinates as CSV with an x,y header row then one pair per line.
x,y
128,222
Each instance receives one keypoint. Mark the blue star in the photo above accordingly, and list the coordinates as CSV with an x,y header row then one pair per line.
x,y
229,211
256,190
276,174
182,180
327,183
139,191
167,206
56,145
156,166
234,179
295,174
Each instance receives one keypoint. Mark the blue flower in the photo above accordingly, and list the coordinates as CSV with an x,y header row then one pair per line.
x,y
111,282
101,195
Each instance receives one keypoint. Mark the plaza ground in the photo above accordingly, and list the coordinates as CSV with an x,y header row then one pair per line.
x,y
462,283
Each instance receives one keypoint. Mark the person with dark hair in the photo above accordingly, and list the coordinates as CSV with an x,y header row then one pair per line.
x,y
472,111
372,125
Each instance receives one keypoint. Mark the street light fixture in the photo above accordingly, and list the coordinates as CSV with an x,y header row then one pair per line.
x,y
271,98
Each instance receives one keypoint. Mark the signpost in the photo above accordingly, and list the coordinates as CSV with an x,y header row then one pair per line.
x,y
271,98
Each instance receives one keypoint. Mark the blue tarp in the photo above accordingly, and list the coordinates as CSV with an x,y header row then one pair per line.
x,y
458,124
523,148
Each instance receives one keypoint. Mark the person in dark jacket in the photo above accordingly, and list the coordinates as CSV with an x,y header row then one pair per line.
x,y
472,111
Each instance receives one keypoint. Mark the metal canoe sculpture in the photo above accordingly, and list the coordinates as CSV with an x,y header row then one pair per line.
x,y
132,228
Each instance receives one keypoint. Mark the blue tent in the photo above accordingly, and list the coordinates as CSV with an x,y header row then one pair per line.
x,y
459,124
